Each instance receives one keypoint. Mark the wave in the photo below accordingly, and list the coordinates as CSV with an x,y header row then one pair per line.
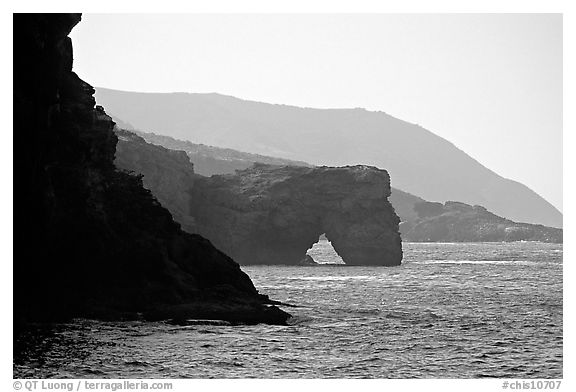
x,y
503,262
335,278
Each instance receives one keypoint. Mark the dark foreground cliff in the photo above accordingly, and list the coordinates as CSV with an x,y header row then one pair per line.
x,y
460,222
273,214
89,239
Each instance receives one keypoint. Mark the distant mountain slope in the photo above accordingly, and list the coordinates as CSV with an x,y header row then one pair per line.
x,y
209,160
418,161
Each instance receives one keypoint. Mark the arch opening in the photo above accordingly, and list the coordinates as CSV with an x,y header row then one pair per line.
x,y
323,252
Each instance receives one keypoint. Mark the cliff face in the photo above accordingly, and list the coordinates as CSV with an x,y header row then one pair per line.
x,y
169,173
460,222
274,214
91,240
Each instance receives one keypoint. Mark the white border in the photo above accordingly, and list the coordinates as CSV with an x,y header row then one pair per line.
x,y
296,6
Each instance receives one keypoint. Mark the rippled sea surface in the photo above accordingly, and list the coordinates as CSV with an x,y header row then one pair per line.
x,y
450,311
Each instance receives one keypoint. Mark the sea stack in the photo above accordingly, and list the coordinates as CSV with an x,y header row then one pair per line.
x,y
270,214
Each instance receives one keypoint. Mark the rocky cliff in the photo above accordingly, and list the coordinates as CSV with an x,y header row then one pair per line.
x,y
169,173
273,214
90,240
460,222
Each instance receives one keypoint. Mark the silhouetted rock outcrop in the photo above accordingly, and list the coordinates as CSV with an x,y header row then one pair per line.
x,y
90,240
459,222
273,214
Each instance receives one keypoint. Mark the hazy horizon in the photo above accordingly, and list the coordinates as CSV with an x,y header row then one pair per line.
x,y
490,84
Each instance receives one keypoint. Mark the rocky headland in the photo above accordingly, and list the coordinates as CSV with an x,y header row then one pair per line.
x,y
474,223
89,239
460,222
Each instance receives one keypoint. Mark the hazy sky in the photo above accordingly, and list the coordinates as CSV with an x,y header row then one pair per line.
x,y
489,83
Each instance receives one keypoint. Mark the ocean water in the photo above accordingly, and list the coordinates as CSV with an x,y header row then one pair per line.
x,y
449,311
